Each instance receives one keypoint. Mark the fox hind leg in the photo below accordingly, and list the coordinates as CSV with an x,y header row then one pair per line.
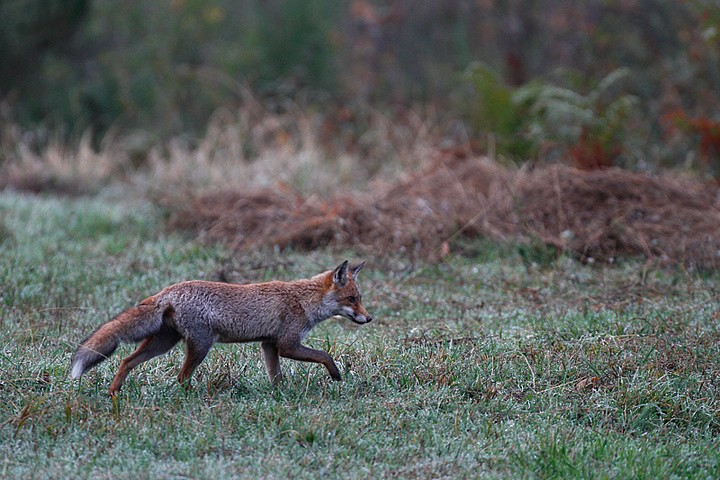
x,y
196,352
151,347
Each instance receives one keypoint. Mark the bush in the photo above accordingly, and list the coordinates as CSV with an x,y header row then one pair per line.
x,y
161,66
166,67
541,120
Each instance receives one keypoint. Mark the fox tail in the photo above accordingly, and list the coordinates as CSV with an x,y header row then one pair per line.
x,y
130,326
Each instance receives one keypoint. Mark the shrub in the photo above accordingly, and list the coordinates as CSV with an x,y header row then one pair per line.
x,y
541,120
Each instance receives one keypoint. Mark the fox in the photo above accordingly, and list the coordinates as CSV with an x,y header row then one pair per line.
x,y
278,314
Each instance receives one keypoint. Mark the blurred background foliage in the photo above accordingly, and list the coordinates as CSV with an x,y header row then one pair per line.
x,y
591,82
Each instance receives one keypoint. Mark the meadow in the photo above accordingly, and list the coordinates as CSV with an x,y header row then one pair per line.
x,y
541,230
483,365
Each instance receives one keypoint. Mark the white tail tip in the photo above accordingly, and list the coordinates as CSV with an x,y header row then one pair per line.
x,y
77,370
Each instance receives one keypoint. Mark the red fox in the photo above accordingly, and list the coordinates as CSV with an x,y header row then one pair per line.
x,y
278,314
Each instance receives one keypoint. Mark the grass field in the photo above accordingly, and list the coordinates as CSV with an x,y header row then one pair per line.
x,y
483,366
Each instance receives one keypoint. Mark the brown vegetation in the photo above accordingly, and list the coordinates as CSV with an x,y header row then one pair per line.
x,y
595,215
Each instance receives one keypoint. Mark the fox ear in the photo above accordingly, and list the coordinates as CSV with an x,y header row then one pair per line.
x,y
339,276
356,269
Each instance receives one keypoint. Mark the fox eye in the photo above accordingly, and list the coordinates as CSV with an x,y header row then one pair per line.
x,y
352,299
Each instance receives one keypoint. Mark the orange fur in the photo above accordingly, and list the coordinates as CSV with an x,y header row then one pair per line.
x,y
277,314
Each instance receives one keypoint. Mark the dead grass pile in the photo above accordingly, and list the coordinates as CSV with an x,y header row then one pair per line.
x,y
414,216
606,213
595,215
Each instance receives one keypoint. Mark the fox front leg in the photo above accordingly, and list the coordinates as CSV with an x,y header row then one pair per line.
x,y
306,354
272,361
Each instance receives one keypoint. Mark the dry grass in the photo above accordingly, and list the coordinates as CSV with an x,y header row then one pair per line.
x,y
401,216
596,215
279,176
605,213
254,146
55,168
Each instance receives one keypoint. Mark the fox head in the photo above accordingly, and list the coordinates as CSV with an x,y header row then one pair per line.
x,y
343,289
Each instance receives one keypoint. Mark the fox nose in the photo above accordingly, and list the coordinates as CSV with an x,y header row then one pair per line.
x,y
369,319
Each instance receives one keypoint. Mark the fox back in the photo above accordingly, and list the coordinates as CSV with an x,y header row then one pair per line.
x,y
278,314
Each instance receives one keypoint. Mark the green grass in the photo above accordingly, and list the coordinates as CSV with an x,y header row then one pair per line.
x,y
490,366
